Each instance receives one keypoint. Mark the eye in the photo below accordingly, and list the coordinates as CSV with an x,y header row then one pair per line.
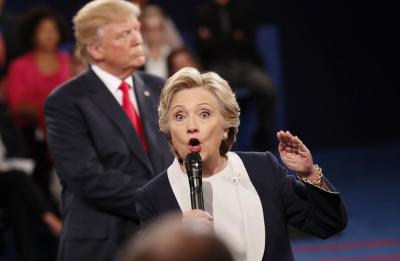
x,y
179,116
124,34
204,114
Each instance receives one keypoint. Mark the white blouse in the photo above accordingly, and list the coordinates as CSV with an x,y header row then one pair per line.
x,y
230,197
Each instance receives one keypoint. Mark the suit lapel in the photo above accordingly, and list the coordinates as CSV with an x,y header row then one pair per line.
x,y
147,103
102,97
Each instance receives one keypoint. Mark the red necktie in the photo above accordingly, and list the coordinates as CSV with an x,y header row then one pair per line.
x,y
132,113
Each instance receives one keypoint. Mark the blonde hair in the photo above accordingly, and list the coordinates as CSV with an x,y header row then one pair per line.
x,y
188,78
94,15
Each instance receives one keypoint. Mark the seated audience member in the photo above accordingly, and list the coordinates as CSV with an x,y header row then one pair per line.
x,y
156,47
20,199
172,36
249,198
170,239
30,79
181,58
78,63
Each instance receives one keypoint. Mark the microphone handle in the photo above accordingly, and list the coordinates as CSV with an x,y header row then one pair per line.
x,y
196,197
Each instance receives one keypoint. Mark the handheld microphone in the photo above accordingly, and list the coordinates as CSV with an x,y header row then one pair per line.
x,y
194,171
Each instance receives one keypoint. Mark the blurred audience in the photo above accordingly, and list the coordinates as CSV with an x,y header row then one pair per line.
x,y
226,44
180,58
78,63
170,239
157,48
31,77
20,199
172,36
10,44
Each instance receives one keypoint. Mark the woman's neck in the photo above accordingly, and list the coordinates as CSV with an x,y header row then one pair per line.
x,y
47,62
45,53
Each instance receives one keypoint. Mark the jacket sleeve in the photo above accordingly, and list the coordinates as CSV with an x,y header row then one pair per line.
x,y
79,167
145,209
309,208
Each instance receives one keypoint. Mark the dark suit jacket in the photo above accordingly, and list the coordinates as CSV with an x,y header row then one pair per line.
x,y
101,161
284,200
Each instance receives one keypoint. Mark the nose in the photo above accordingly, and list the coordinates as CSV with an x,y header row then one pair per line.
x,y
192,130
192,126
137,38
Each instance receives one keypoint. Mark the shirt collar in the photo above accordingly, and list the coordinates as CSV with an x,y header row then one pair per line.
x,y
112,82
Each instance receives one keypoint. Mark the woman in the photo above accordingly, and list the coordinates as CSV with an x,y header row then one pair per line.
x,y
30,79
157,48
32,76
248,197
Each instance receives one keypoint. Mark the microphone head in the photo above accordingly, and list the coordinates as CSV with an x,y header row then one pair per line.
x,y
193,164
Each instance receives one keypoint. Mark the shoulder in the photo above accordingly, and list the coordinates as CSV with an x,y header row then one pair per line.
x,y
64,57
23,61
73,89
260,165
149,80
253,157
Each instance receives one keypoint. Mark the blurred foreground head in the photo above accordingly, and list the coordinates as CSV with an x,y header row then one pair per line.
x,y
171,239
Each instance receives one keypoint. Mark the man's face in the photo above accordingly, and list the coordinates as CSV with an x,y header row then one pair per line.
x,y
120,47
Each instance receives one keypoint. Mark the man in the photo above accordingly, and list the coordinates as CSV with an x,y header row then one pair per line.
x,y
103,132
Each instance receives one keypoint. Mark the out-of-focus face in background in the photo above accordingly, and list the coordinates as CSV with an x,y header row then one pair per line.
x,y
196,114
181,60
153,30
47,36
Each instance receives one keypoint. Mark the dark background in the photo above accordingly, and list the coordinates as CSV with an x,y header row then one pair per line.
x,y
340,62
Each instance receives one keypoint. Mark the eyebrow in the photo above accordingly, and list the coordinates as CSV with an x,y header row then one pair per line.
x,y
201,104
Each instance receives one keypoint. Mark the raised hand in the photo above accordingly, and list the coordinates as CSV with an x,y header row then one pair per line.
x,y
295,155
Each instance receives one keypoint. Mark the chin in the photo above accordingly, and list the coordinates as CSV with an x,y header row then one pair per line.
x,y
139,61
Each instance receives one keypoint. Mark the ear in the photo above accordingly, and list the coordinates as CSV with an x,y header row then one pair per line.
x,y
225,137
95,51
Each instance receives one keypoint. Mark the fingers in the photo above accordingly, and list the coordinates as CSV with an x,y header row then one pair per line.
x,y
198,215
290,143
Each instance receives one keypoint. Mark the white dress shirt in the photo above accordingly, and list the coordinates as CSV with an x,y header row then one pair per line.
x,y
230,197
112,83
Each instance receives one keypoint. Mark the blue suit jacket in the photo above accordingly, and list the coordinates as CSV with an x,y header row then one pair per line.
x,y
284,200
101,161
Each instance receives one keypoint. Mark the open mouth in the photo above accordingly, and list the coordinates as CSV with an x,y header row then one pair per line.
x,y
194,145
194,142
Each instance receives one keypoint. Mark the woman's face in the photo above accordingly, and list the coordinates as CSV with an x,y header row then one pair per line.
x,y
196,123
47,36
153,31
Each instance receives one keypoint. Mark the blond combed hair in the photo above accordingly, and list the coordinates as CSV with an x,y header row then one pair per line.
x,y
188,78
96,14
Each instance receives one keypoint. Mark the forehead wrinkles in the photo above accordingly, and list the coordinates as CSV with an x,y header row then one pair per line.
x,y
117,26
212,99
